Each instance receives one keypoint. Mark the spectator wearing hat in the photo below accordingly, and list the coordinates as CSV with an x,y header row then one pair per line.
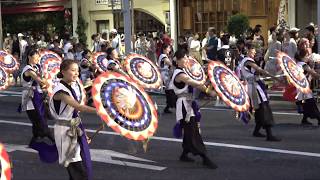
x,y
310,32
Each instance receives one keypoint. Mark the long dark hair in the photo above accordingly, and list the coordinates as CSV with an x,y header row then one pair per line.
x,y
31,52
109,52
65,65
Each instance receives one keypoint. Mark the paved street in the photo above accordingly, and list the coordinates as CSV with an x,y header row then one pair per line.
x,y
229,144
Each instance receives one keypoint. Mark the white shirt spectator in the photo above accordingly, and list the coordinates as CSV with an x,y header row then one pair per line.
x,y
203,44
290,47
66,47
195,44
116,43
23,44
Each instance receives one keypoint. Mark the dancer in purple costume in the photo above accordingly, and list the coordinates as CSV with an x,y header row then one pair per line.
x,y
187,112
70,137
32,103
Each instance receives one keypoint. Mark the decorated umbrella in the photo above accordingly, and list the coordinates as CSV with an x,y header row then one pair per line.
x,y
53,81
8,62
4,79
195,71
143,71
46,54
124,106
49,65
5,164
228,86
293,72
100,61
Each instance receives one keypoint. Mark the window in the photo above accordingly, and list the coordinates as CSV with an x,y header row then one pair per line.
x,y
102,1
102,26
199,15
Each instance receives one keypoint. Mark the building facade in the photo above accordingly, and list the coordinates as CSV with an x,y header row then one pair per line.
x,y
198,15
103,15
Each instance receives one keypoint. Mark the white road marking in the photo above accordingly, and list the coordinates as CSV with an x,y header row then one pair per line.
x,y
229,109
11,92
254,148
100,155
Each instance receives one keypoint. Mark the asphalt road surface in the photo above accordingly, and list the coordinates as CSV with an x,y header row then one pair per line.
x,y
229,143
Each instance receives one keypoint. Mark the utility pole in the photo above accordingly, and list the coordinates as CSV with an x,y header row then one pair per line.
x,y
132,16
1,35
173,22
74,17
127,26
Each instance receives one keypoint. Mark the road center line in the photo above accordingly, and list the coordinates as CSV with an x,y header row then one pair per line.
x,y
254,148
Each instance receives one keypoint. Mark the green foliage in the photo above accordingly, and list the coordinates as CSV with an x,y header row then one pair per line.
x,y
238,24
81,30
34,22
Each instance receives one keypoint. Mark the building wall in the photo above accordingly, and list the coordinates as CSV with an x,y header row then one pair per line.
x,y
198,15
92,12
156,8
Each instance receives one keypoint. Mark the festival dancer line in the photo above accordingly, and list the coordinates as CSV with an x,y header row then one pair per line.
x,y
32,98
185,114
250,72
70,137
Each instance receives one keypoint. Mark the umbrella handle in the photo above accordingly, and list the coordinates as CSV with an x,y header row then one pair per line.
x,y
97,131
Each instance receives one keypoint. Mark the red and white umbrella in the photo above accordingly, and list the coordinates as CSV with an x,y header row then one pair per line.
x,y
8,62
4,79
143,71
100,61
5,164
293,72
124,106
49,65
46,54
195,70
228,86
